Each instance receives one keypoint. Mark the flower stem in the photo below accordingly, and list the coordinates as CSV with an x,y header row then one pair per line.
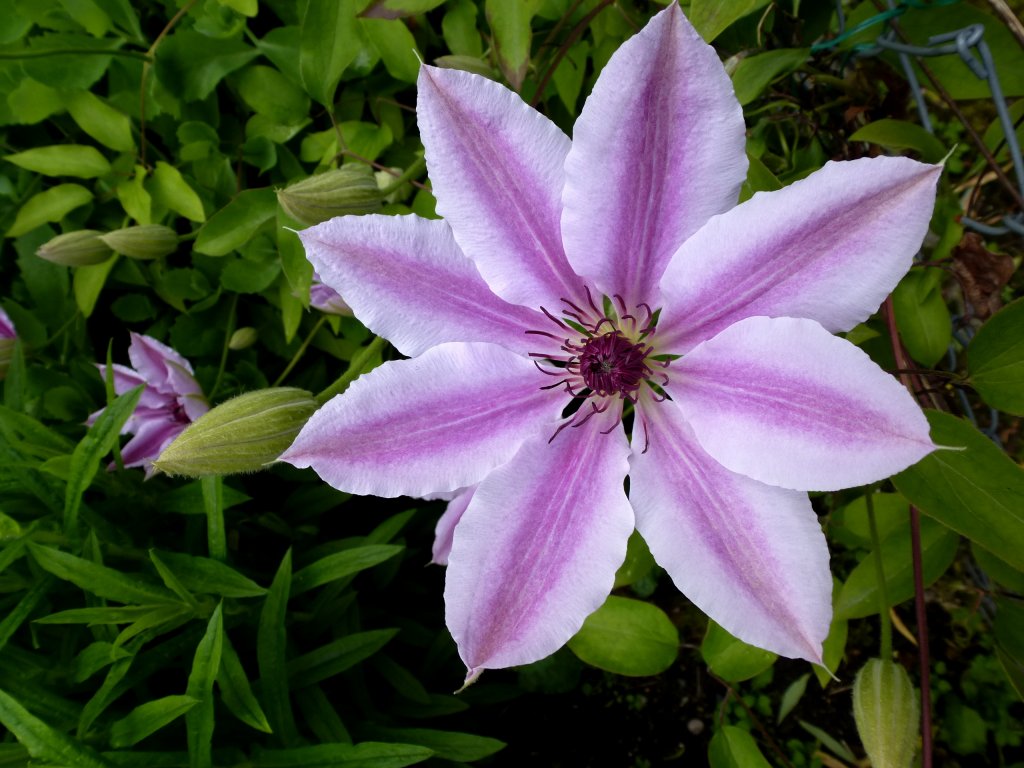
x,y
885,643
213,503
228,332
354,370
300,351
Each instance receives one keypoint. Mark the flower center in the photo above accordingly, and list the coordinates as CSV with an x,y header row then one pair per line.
x,y
611,364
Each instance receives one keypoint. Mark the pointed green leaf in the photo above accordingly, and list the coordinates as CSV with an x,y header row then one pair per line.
x,y
148,718
447,745
170,190
328,43
366,755
732,659
510,24
199,718
98,579
44,742
899,135
995,359
733,747
88,282
110,127
341,564
191,64
922,315
206,576
234,225
337,656
754,73
271,647
977,491
49,206
396,46
78,160
712,17
236,692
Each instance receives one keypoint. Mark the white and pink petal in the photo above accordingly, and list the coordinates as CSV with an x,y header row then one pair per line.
x,y
829,248
496,169
751,556
658,149
537,550
444,531
406,280
783,401
437,422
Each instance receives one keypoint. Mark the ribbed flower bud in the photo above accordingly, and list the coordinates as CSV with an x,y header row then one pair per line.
x,y
887,713
349,189
243,434
243,338
76,249
149,241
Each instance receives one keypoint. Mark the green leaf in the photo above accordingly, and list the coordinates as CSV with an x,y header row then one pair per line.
x,y
245,7
271,646
42,741
49,206
366,755
235,691
899,135
733,747
204,575
396,46
978,492
828,741
32,102
510,24
134,197
199,719
328,43
995,359
859,595
922,315
754,73
148,718
341,564
446,745
17,615
110,127
732,659
97,443
638,563
170,190
396,9
998,570
62,160
233,225
107,615
191,64
93,19
98,579
459,29
791,697
336,656
171,581
712,17
87,284
1009,634
628,637
270,93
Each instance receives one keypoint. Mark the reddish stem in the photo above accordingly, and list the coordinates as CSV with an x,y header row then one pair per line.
x,y
902,363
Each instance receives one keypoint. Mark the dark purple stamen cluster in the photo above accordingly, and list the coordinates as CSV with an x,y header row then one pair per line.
x,y
604,361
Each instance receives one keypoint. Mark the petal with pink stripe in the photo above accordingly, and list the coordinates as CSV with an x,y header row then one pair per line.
x,y
658,149
444,531
438,422
830,248
495,165
407,281
751,556
537,549
783,401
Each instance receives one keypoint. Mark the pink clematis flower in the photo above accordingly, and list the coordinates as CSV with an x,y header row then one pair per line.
x,y
170,402
615,274
326,299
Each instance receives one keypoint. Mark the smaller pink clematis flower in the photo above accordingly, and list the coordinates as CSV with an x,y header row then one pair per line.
x,y
7,338
170,402
326,299
600,307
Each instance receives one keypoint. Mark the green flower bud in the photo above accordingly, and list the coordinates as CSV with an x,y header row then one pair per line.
x,y
243,434
149,241
243,338
345,190
76,249
887,713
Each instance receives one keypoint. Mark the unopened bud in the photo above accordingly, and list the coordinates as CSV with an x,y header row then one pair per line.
x,y
243,338
887,713
243,434
149,241
76,249
345,190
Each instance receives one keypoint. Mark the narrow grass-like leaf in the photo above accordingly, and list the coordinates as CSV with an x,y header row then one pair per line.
x,y
171,581
148,718
44,742
98,579
336,656
100,615
447,745
163,618
369,754
271,647
831,743
236,692
199,719
341,564
12,422
97,443
24,608
210,577
320,717
105,696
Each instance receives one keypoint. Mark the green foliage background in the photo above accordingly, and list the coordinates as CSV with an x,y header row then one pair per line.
x,y
267,620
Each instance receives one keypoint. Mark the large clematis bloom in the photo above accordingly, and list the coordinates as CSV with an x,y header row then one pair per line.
x,y
615,274
170,402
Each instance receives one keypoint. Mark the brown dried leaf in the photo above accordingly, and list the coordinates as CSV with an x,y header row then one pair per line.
x,y
981,274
